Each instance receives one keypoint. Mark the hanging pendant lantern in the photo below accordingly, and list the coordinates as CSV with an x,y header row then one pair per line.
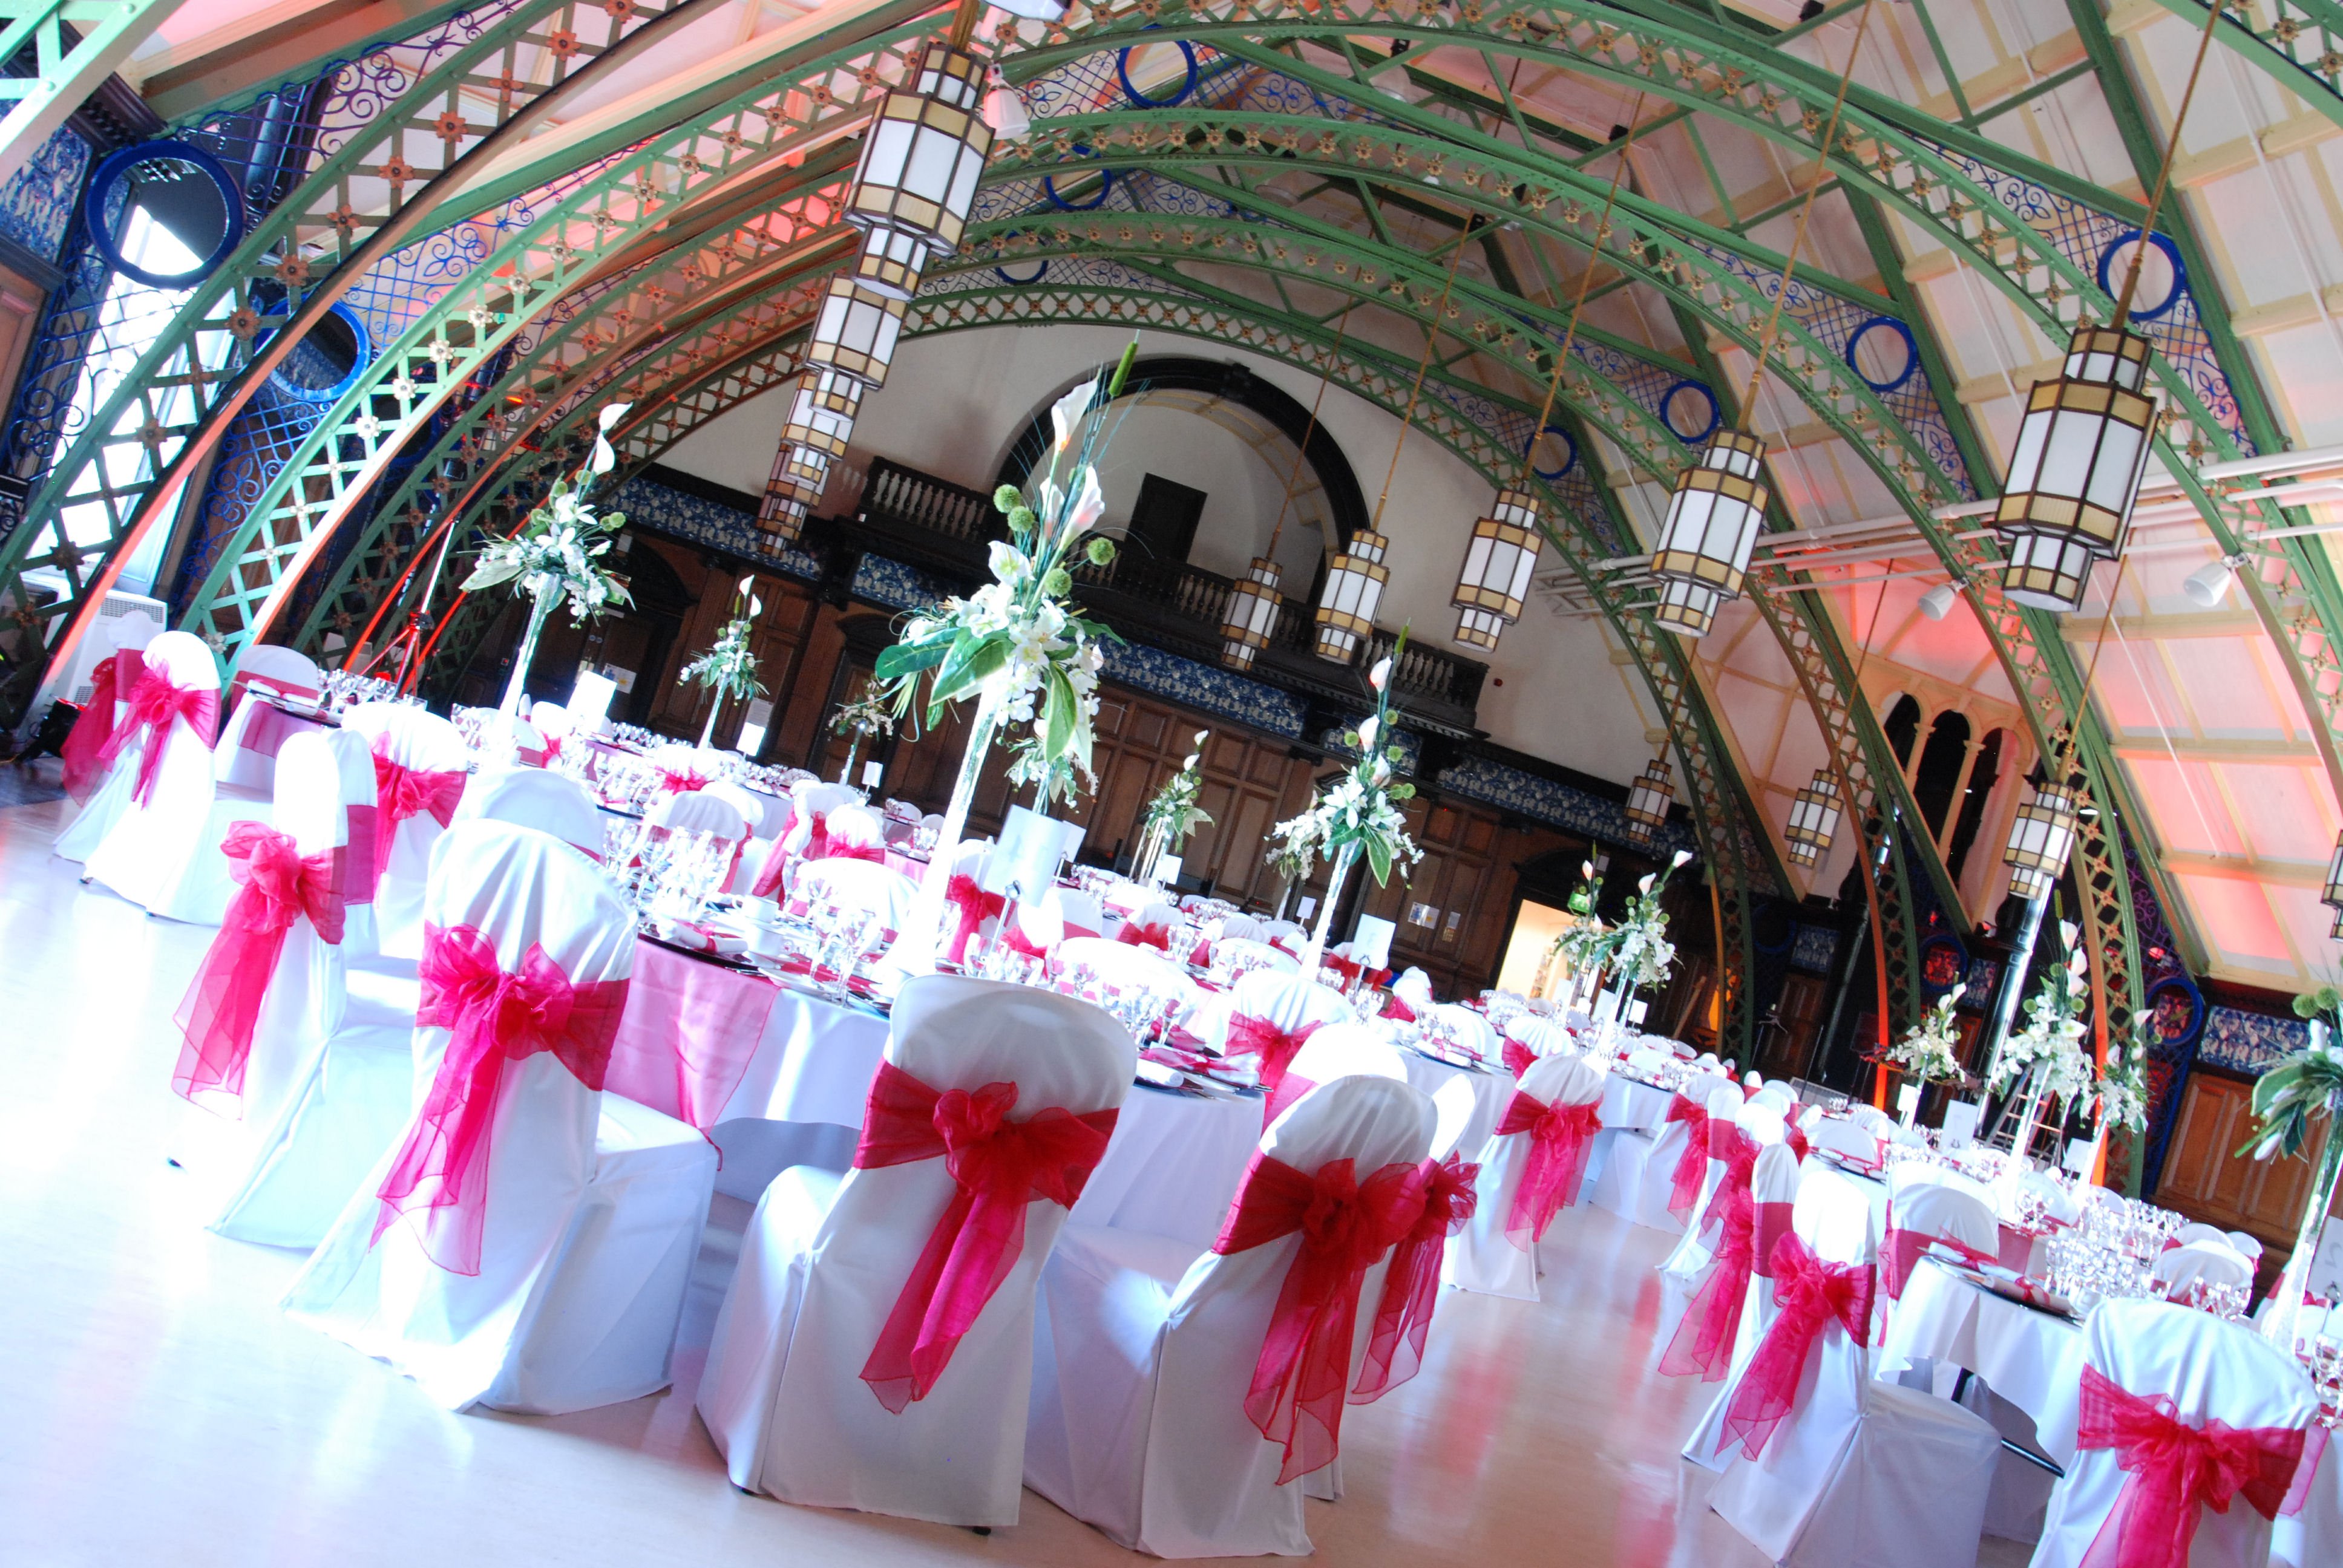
x,y
855,333
2075,472
1495,577
809,471
891,264
1686,609
1813,820
1711,528
1648,800
923,154
781,514
823,411
2040,839
1354,590
1251,615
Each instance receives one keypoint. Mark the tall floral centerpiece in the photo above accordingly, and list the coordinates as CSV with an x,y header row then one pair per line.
x,y
1930,1051
557,554
1173,814
1013,645
2047,1056
859,722
2290,1100
1638,949
1292,854
1586,939
1358,814
728,668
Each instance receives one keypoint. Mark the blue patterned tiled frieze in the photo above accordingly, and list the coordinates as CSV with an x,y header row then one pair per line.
x,y
38,202
1550,800
1201,686
895,585
697,521
2251,1042
1811,952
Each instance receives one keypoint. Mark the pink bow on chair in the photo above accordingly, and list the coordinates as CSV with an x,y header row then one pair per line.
x,y
1561,1136
1276,1048
493,1018
972,906
85,753
222,1007
1692,1165
1518,1057
401,792
999,1167
836,849
155,703
1157,935
2176,1472
1296,1396
682,782
1441,1197
1704,1339
1812,1294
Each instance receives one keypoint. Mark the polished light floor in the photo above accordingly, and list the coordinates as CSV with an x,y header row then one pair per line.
x,y
156,1409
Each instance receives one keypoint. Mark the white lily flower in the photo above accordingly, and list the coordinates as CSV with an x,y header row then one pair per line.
x,y
1008,562
1368,726
1066,413
1646,885
1381,675
1681,856
1089,505
611,414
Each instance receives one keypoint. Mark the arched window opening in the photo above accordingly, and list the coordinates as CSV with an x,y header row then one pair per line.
x,y
1939,773
1971,816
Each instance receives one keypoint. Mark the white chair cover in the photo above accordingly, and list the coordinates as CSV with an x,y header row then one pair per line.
x,y
855,826
812,801
697,811
1724,1106
2198,1231
107,803
2200,1263
235,764
353,766
1843,1135
694,767
1859,1470
856,885
1774,1189
554,803
1345,1051
1542,1035
2210,1369
426,743
826,1257
1125,967
1244,955
1285,1000
2248,1247
164,852
328,1087
1467,1029
1144,1350
1239,926
1482,1258
747,802
592,1205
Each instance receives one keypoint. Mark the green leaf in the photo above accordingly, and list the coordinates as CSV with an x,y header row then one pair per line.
x,y
910,658
1378,860
488,576
1057,713
965,668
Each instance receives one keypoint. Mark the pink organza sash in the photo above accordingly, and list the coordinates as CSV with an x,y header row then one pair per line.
x,y
401,792
1440,1198
835,850
1296,1395
2176,1472
154,704
1157,936
972,906
767,884
440,1174
682,783
85,753
1812,1295
1250,1036
999,1167
1899,1254
279,885
1692,1165
1559,1137
1013,938
689,1032
1704,1339
269,727
1518,1057
360,869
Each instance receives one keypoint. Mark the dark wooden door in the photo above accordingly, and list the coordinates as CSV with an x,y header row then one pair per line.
x,y
1163,520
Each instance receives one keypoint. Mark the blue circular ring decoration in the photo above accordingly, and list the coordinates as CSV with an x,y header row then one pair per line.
x,y
2191,998
1140,100
2108,285
1042,272
1570,449
101,186
1106,188
1691,438
1910,352
363,342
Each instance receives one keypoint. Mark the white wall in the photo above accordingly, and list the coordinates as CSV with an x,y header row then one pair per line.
x,y
955,403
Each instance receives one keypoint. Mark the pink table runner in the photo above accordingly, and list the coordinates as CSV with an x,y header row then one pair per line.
x,y
688,1034
266,732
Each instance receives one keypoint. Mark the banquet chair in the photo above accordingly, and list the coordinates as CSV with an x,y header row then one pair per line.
x,y
420,768
1824,1464
807,831
757,834
2151,1370
2196,1231
163,851
696,811
1922,1212
1242,956
304,1091
862,885
554,723
533,797
1145,1349
2248,1247
1674,1167
527,1243
1284,934
1272,1015
1240,925
1846,1136
684,769
856,832
355,787
98,784
1338,1050
1726,1142
1151,925
2187,1270
970,914
271,664
1526,1037
1721,1326
1532,1169
825,1385
1413,989
1468,1029
245,754
1124,965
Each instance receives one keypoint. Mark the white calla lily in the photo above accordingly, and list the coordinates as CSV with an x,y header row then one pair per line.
x,y
1066,413
1682,858
1087,507
1380,675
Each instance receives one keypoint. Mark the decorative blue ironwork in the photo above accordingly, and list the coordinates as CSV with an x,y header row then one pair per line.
x,y
37,204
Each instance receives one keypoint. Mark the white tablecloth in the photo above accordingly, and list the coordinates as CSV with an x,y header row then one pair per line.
x,y
1452,1089
1838,1208
2034,1360
814,1064
1172,1167
1633,1106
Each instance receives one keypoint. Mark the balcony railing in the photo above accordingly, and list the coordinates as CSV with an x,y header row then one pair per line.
x,y
1171,604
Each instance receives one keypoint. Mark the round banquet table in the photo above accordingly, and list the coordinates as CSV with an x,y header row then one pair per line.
x,y
1848,1211
773,1076
1630,1104
1452,1089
